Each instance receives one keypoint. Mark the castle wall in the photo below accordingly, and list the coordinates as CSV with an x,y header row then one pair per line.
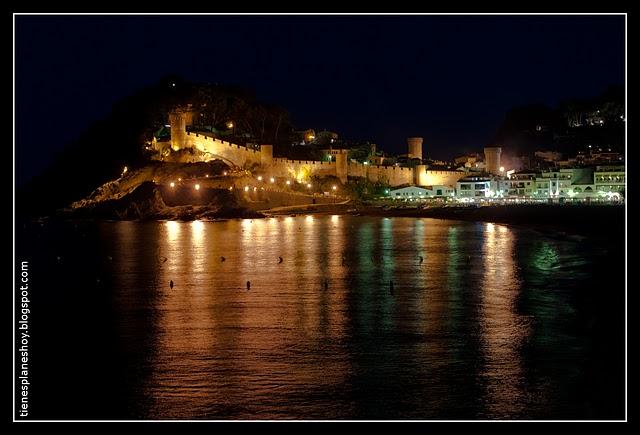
x,y
301,170
392,175
425,177
235,154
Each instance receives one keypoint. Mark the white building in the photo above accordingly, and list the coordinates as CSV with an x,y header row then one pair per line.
x,y
474,186
609,180
421,193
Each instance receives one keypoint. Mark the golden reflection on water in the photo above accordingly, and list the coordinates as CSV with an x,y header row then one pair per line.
x,y
218,341
502,329
320,290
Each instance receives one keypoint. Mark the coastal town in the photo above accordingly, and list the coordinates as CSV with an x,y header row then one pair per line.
x,y
592,175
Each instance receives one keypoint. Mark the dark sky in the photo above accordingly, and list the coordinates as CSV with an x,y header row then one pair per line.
x,y
449,79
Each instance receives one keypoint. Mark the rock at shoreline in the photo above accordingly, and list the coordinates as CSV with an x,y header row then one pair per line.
x,y
145,202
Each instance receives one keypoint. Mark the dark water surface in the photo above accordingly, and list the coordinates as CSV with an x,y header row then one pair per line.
x,y
495,322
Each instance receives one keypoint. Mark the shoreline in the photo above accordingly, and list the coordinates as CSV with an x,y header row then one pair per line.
x,y
581,220
593,221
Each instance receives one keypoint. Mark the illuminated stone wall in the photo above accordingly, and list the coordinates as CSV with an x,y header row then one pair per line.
x,y
226,151
425,177
391,175
301,170
210,148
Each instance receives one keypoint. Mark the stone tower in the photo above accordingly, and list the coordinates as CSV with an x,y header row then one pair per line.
x,y
179,119
266,155
415,147
341,165
492,159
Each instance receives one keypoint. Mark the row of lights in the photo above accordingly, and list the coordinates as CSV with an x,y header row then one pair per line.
x,y
288,182
195,186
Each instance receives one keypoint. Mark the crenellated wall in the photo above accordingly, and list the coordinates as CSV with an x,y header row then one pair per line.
x,y
235,154
301,170
391,175
426,177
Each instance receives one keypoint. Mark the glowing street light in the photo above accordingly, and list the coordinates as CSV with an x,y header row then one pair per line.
x,y
308,186
272,180
197,187
224,173
259,177
179,179
246,188
207,175
172,184
288,182
229,124
501,168
334,187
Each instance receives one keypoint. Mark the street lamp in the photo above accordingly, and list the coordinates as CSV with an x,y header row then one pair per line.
x,y
197,187
172,184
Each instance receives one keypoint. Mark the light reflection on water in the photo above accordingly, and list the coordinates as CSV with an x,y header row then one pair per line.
x,y
349,324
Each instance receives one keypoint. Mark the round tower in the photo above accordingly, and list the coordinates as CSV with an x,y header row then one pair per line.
x,y
415,147
492,159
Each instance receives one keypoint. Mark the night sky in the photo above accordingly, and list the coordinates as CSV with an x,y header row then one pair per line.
x,y
379,78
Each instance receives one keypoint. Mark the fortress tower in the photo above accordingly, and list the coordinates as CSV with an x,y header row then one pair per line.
x,y
415,147
179,120
492,159
341,165
266,155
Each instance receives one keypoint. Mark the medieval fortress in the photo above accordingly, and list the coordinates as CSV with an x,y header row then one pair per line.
x,y
204,147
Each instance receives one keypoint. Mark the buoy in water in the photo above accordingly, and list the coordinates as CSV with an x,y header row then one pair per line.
x,y
171,284
280,260
248,285
222,259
